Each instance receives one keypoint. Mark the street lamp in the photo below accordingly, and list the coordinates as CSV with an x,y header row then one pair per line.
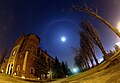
x,y
2,70
75,70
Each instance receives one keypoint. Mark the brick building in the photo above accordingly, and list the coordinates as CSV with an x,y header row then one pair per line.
x,y
24,56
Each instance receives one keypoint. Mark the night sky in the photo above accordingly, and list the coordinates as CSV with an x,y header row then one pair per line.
x,y
52,19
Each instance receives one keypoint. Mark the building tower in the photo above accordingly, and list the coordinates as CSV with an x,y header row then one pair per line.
x,y
22,55
25,56
13,55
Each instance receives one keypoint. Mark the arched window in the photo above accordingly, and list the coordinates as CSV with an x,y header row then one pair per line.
x,y
12,65
8,68
18,68
32,70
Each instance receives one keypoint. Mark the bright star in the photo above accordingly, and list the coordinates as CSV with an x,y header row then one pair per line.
x,y
63,39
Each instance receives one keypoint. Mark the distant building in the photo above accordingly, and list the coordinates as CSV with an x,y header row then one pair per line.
x,y
24,56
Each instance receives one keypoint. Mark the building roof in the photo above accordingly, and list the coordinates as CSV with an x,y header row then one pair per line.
x,y
33,34
47,54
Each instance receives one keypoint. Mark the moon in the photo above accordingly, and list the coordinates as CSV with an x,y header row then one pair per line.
x,y
63,39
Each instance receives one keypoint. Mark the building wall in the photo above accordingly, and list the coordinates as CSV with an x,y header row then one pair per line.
x,y
13,55
29,69
19,64
12,60
23,57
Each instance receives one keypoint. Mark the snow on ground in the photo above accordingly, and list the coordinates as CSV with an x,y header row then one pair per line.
x,y
58,81
110,75
4,78
9,79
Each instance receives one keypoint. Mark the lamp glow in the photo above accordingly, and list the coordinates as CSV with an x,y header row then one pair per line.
x,y
23,77
2,70
75,70
118,26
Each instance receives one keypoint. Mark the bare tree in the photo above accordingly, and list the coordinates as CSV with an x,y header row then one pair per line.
x,y
88,45
85,53
88,28
2,57
80,59
116,47
94,12
84,46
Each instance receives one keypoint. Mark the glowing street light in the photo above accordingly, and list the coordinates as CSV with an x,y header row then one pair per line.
x,y
75,70
118,26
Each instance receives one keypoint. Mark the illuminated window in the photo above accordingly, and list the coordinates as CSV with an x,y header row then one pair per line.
x,y
8,68
14,52
20,56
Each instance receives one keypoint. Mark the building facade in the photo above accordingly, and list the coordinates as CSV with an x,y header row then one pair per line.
x,y
27,60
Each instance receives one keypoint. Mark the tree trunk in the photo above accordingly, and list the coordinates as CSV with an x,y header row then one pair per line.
x,y
87,64
82,67
91,61
108,24
103,51
84,63
95,59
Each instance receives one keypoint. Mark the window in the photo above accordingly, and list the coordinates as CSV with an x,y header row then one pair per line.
x,y
14,52
43,58
18,68
8,68
20,56
33,59
32,70
12,65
